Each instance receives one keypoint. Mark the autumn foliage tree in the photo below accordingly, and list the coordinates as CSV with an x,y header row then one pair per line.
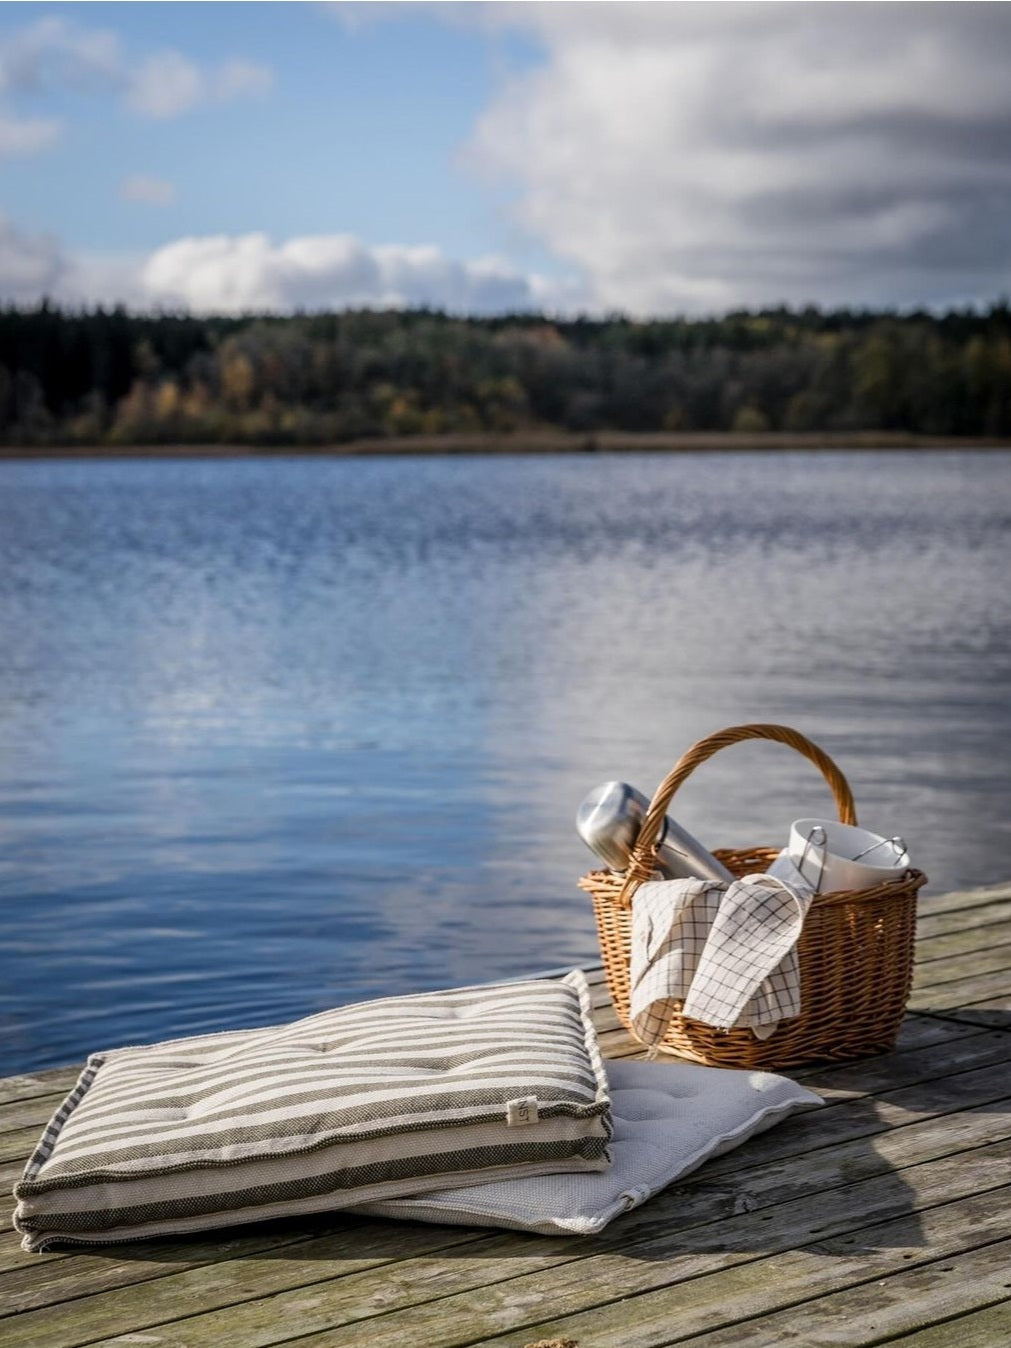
x,y
106,377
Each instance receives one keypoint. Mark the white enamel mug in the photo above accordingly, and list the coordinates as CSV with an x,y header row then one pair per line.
x,y
833,856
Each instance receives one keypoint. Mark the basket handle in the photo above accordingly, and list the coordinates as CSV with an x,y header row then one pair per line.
x,y
642,860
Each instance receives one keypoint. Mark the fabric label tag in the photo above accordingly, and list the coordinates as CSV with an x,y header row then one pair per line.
x,y
522,1111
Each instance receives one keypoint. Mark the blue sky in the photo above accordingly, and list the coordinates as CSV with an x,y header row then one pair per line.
x,y
358,130
654,158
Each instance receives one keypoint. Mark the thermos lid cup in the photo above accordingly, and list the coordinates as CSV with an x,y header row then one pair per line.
x,y
609,819
833,856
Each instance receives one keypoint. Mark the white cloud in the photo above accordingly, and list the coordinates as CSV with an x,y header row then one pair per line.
x,y
147,190
235,274
31,266
675,157
24,136
47,51
168,84
239,78
55,53
38,266
695,157
165,85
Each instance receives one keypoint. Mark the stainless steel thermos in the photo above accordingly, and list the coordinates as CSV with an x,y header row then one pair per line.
x,y
609,820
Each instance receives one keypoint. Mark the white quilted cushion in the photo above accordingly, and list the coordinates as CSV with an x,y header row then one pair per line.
x,y
668,1119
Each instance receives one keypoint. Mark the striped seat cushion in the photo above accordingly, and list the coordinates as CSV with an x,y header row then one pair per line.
x,y
391,1097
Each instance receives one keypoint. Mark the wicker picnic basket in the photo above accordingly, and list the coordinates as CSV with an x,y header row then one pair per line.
x,y
855,951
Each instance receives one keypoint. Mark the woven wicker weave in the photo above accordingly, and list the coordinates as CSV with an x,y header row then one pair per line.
x,y
856,949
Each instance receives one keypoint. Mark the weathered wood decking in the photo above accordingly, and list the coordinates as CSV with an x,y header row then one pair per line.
x,y
883,1218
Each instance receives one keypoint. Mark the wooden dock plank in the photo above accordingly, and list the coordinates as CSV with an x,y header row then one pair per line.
x,y
30,1086
931,1053
881,1217
961,993
341,1238
963,967
20,1114
18,1144
647,1277
994,1012
954,920
802,1303
962,901
990,1328
960,941
873,1310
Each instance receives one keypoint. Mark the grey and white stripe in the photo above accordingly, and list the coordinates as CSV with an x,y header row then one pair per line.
x,y
387,1097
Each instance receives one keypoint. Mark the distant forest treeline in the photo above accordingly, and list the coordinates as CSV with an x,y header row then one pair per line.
x,y
108,377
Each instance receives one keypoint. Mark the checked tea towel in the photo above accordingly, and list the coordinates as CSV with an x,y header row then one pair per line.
x,y
724,953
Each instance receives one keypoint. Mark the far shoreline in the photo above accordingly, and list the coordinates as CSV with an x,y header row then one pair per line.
x,y
519,443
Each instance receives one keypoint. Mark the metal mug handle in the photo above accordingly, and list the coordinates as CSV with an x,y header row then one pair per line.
x,y
897,843
817,838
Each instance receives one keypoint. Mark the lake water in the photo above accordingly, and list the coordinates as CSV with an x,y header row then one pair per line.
x,y
281,734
